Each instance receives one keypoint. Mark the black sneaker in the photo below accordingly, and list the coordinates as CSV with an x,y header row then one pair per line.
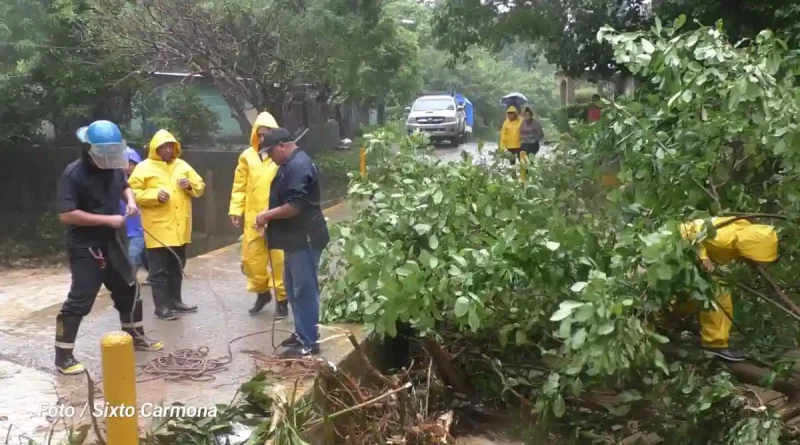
x,y
281,309
728,354
292,342
66,363
166,314
261,301
299,352
181,307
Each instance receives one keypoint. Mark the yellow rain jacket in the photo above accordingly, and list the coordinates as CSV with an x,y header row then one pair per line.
x,y
509,134
170,222
738,240
249,197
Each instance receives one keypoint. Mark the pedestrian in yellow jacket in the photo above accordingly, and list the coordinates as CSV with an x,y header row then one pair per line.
x,y
249,196
739,240
164,186
510,138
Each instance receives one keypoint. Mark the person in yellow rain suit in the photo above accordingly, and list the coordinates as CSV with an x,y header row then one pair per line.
x,y
249,197
164,186
739,240
509,135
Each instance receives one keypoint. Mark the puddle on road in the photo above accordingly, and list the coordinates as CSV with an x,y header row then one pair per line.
x,y
27,400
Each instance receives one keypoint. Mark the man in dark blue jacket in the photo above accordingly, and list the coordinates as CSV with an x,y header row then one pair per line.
x,y
294,223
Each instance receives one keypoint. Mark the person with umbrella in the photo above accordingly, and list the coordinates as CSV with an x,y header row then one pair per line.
x,y
531,132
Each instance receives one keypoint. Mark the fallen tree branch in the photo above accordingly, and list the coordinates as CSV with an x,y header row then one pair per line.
x,y
444,363
746,372
774,285
362,405
407,406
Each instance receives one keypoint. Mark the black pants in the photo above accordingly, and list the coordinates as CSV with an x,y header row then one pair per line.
x,y
88,275
531,148
166,278
515,152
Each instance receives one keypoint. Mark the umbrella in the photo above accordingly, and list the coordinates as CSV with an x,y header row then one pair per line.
x,y
515,99
515,96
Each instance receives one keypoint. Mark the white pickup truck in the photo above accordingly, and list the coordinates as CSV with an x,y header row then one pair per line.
x,y
439,116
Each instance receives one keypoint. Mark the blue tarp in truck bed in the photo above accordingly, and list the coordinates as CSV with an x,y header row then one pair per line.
x,y
468,111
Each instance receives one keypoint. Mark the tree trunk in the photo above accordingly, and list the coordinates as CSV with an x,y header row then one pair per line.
x,y
237,112
274,106
382,113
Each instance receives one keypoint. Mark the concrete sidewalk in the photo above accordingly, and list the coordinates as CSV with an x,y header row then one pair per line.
x,y
30,300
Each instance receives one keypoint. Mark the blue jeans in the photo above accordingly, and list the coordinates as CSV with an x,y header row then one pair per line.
x,y
137,252
302,290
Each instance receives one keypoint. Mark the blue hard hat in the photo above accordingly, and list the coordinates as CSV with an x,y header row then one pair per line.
x,y
100,132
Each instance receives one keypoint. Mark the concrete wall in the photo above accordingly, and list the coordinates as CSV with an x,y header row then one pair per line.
x,y
28,179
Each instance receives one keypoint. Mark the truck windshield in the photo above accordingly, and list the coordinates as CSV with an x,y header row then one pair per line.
x,y
434,105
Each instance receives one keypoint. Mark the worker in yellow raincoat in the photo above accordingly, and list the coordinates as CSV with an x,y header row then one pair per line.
x,y
164,186
510,138
249,197
739,240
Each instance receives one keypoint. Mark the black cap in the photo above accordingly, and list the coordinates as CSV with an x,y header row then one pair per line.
x,y
275,137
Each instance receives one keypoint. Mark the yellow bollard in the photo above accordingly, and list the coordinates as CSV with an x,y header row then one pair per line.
x,y
523,166
119,387
363,165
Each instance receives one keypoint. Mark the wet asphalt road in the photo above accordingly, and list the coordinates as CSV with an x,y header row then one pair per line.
x,y
30,300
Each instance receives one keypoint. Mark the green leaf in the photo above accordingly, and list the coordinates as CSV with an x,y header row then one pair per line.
x,y
474,320
621,410
606,328
559,408
460,260
372,308
664,272
521,339
358,251
422,229
553,245
403,271
561,314
577,387
679,22
695,66
437,197
462,306
433,242
579,338
648,47
579,286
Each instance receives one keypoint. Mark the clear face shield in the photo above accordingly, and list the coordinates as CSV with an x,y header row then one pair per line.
x,y
110,156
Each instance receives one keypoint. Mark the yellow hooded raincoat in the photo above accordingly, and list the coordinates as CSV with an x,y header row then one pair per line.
x,y
170,222
738,240
509,134
249,197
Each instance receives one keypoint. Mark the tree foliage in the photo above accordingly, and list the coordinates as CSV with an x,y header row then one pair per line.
x,y
185,115
256,53
558,275
565,30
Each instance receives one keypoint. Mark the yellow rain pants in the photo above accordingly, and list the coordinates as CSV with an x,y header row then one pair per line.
x,y
738,240
249,197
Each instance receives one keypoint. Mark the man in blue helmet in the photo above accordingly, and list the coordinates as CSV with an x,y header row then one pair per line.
x,y
135,230
88,200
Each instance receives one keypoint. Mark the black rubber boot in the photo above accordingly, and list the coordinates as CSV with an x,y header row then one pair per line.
x,y
261,300
66,333
135,328
281,309
161,301
176,297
